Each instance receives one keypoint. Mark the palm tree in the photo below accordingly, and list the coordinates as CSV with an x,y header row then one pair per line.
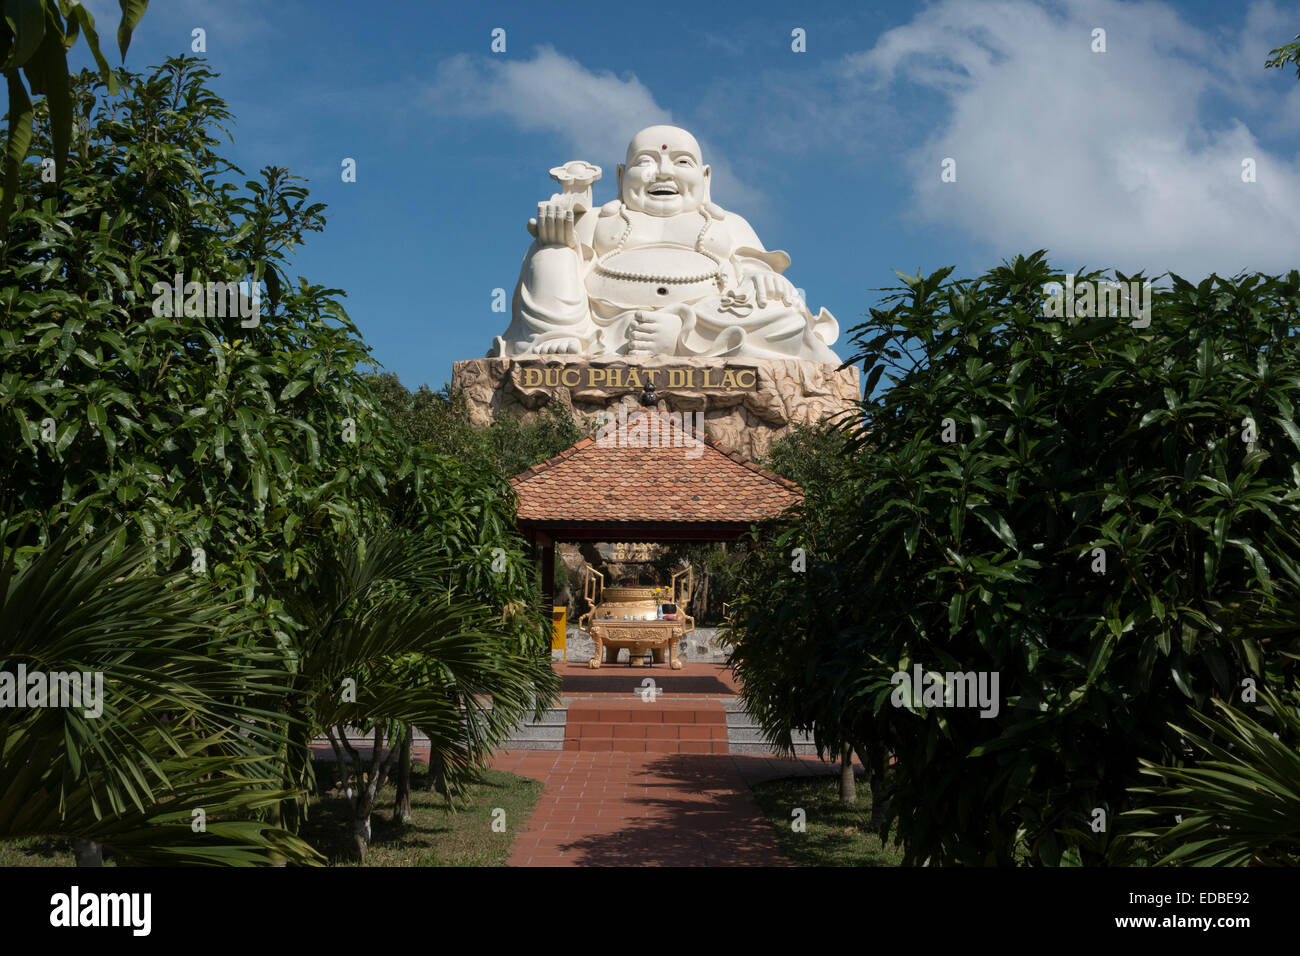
x,y
169,765
1239,799
385,643
1239,803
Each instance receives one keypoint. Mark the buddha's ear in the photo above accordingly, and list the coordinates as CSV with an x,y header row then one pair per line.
x,y
707,179
620,169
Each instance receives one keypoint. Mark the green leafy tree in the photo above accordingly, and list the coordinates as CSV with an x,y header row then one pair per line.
x,y
1235,788
811,455
471,519
787,698
35,37
236,444
237,440
440,421
1076,505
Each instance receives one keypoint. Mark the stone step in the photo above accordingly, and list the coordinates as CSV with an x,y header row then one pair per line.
x,y
538,732
753,741
554,717
745,736
802,750
516,743
637,726
746,728
544,734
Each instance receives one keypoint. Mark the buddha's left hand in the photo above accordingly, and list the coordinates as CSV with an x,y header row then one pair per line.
x,y
771,285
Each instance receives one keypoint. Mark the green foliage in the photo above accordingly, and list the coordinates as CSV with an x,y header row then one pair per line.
x,y
388,616
812,455
175,730
440,421
200,432
519,446
1239,802
1072,434
245,453
1289,53
35,37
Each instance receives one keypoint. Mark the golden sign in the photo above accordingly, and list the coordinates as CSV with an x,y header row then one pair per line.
x,y
574,375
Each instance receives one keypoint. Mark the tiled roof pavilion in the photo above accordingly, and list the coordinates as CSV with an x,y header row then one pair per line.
x,y
676,487
673,489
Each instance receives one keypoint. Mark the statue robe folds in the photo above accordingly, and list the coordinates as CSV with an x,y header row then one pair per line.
x,y
580,301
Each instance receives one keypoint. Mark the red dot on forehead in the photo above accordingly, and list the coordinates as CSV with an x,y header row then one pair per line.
x,y
664,146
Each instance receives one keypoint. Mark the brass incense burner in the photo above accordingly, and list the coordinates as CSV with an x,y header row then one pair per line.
x,y
642,620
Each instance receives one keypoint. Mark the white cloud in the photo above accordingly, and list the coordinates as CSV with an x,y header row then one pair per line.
x,y
593,113
1106,159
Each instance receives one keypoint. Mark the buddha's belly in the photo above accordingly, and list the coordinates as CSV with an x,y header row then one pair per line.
x,y
653,276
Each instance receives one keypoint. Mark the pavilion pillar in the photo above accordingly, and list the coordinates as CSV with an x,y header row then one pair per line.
x,y
547,546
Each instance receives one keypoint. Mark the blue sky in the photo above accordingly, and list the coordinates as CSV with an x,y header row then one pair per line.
x,y
1129,158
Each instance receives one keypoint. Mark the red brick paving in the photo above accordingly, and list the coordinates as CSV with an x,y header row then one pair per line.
x,y
647,809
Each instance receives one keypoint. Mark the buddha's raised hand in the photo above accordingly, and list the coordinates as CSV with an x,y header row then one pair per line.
x,y
554,224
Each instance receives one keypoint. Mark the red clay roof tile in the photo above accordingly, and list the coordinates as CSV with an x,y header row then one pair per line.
x,y
594,481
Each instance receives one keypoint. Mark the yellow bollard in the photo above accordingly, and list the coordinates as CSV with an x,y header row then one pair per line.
x,y
559,631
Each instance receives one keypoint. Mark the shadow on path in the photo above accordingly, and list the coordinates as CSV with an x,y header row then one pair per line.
x,y
690,810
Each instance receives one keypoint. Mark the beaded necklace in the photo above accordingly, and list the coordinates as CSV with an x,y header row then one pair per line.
x,y
716,274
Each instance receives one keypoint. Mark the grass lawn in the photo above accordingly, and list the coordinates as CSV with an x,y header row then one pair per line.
x,y
38,851
835,834
437,835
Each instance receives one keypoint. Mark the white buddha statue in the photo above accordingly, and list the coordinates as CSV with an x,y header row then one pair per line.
x,y
662,270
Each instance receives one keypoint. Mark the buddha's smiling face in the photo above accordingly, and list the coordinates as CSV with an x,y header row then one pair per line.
x,y
664,174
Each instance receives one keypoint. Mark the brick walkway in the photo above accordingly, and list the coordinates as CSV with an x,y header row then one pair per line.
x,y
615,808
645,783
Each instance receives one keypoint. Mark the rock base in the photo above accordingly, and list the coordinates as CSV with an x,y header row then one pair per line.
x,y
746,420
